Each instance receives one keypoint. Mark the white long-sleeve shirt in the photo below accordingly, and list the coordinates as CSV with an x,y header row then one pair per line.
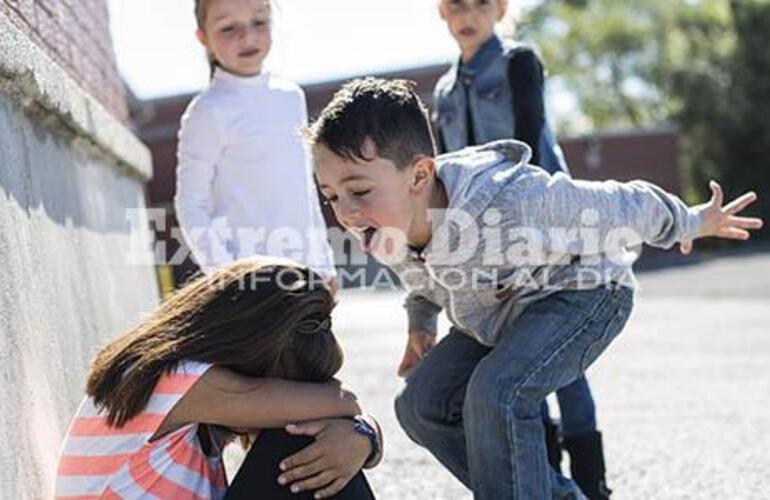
x,y
244,180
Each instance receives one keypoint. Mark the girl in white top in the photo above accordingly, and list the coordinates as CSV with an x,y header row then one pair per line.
x,y
244,182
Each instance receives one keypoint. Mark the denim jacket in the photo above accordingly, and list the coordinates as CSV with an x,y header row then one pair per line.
x,y
513,234
486,78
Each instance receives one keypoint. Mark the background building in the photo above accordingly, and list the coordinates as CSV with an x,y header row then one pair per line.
x,y
69,170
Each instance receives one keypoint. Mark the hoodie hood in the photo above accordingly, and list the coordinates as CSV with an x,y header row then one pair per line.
x,y
473,176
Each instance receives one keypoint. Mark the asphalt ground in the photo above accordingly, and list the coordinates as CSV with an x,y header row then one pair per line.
x,y
683,395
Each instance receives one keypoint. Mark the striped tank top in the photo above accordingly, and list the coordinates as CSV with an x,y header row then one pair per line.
x,y
98,461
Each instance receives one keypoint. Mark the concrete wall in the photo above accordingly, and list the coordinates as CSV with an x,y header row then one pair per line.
x,y
69,169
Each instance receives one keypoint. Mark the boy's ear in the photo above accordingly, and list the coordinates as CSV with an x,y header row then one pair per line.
x,y
202,38
441,9
502,9
423,173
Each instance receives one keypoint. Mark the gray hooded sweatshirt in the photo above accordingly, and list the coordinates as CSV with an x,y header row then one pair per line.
x,y
513,234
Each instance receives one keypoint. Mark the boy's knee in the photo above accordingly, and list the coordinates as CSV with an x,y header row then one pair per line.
x,y
407,416
488,383
406,406
484,392
416,406
490,392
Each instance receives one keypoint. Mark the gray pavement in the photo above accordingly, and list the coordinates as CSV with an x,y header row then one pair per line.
x,y
683,395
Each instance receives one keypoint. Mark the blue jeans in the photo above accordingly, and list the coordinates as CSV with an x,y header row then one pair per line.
x,y
478,409
576,405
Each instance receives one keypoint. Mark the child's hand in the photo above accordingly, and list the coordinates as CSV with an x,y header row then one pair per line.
x,y
327,465
417,346
722,222
334,285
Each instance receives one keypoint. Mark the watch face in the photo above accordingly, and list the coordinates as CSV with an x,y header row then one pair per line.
x,y
364,428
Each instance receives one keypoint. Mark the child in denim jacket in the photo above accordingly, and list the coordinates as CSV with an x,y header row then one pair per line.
x,y
533,271
495,90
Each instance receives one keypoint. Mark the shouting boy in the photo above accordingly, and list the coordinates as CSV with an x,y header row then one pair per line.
x,y
533,270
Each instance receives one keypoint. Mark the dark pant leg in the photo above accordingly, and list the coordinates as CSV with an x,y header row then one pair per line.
x,y
578,413
257,478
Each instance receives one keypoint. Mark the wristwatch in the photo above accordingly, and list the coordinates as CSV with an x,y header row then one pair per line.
x,y
361,426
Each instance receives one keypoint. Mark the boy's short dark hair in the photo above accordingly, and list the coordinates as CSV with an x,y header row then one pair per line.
x,y
388,112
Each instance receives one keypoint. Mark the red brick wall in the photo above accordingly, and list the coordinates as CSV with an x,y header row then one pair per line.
x,y
649,155
75,33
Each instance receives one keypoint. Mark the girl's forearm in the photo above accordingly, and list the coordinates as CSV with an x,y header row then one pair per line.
x,y
273,403
224,398
298,401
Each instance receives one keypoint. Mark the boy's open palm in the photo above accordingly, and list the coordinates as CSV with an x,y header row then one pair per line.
x,y
723,221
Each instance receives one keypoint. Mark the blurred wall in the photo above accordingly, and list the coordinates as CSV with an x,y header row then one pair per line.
x,y
652,155
69,169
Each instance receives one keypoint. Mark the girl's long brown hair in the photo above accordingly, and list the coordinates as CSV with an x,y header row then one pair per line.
x,y
259,317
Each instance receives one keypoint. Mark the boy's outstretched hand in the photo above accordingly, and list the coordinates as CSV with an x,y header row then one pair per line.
x,y
417,346
723,221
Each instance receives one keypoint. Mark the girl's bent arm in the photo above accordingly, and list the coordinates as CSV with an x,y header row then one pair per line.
x,y
201,144
225,398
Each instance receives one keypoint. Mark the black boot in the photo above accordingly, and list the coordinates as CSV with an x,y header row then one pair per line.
x,y
553,444
586,454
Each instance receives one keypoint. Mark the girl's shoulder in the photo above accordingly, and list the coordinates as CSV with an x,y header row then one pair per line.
x,y
181,378
286,90
280,84
201,115
446,82
515,47
521,52
523,62
202,103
